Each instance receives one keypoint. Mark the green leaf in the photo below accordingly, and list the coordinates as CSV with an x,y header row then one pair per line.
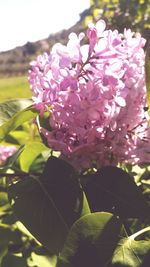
x,y
29,154
3,252
41,261
3,198
16,121
43,122
18,137
114,190
8,233
11,107
14,261
130,252
4,204
65,189
99,239
11,160
85,207
48,206
91,241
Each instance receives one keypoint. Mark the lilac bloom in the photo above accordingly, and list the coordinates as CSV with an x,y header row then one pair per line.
x,y
96,97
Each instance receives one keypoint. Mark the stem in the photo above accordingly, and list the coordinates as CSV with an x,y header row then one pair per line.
x,y
12,175
126,228
140,232
82,66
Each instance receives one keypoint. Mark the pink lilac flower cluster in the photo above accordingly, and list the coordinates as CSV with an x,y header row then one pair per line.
x,y
5,153
95,94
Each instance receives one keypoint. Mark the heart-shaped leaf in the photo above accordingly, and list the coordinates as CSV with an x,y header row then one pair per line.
x,y
99,239
130,252
91,241
49,205
112,189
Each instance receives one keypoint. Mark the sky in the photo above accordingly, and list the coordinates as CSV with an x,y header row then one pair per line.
x,y
31,20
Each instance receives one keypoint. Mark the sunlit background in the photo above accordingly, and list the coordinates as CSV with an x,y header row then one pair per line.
x,y
30,20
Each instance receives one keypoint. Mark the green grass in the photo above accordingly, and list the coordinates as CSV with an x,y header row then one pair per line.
x,y
14,88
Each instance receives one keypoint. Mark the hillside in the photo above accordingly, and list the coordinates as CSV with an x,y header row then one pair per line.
x,y
15,62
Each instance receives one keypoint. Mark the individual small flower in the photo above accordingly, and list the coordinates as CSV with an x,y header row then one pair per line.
x,y
95,32
5,153
96,97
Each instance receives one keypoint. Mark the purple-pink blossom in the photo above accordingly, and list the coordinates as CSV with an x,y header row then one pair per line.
x,y
5,153
95,94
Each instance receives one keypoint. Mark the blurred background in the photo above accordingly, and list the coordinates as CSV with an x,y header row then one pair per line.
x,y
31,27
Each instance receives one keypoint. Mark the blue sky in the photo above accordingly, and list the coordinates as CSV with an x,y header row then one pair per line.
x,y
31,20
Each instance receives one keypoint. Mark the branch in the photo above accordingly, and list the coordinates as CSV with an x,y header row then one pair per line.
x,y
19,174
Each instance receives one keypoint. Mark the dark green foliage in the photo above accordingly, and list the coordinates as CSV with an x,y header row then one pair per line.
x,y
50,204
99,239
120,14
91,241
114,190
14,261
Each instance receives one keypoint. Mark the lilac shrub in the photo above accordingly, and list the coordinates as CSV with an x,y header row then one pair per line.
x,y
5,153
95,94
